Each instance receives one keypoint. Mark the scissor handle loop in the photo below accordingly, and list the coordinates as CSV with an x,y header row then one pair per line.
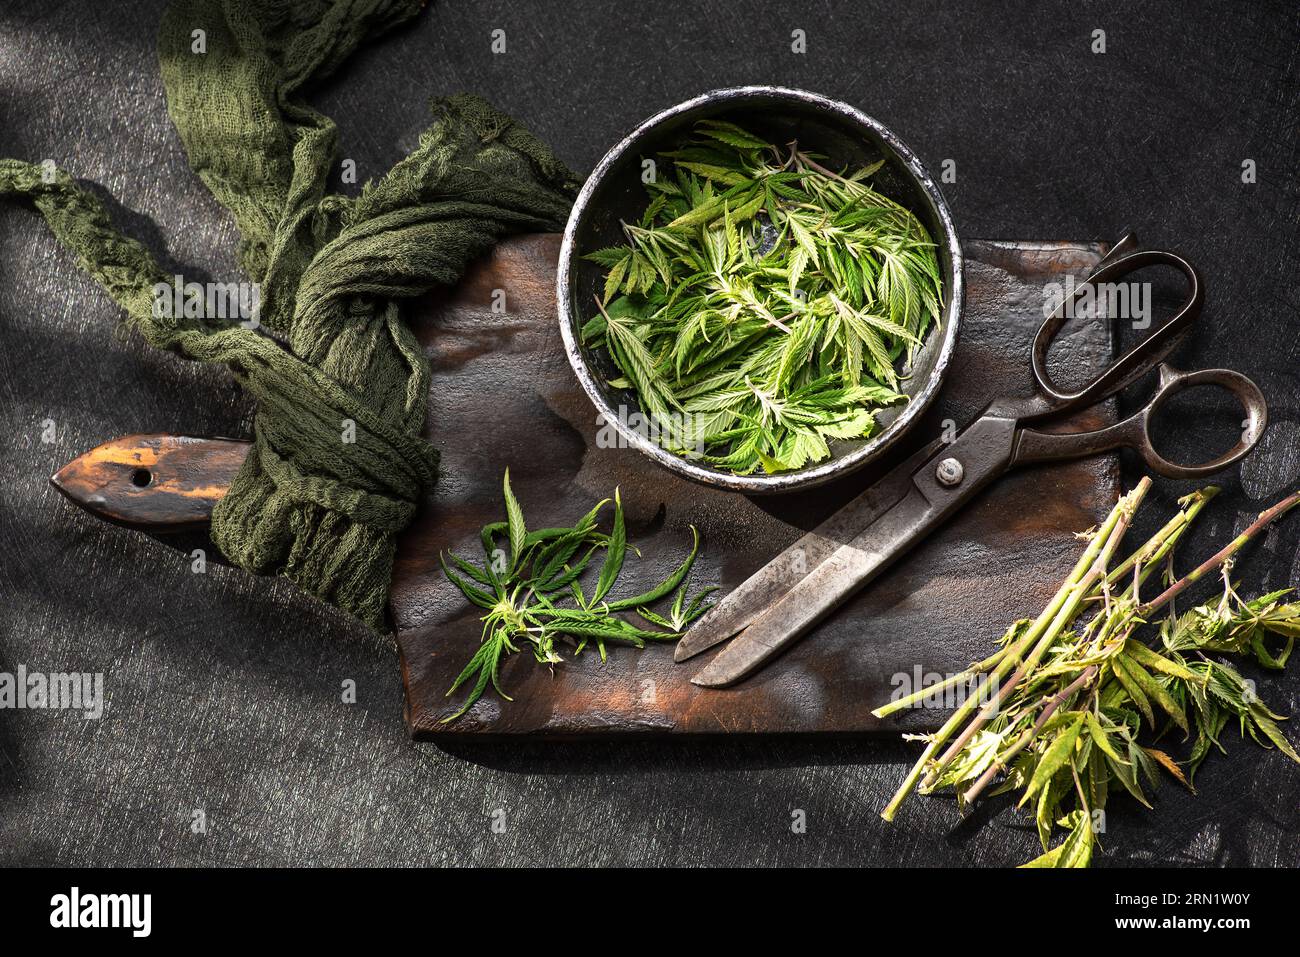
x,y
1140,359
1243,389
1135,431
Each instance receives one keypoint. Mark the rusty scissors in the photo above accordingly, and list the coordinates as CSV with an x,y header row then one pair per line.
x,y
797,589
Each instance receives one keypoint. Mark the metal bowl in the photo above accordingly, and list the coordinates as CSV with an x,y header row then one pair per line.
x,y
849,138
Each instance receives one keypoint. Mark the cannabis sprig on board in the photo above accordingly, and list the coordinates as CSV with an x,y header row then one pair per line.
x,y
763,304
531,583
1078,710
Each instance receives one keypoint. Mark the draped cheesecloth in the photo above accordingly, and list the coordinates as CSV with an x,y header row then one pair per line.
x,y
333,274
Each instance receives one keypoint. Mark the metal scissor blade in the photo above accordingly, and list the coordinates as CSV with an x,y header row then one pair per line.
x,y
850,567
750,599
982,452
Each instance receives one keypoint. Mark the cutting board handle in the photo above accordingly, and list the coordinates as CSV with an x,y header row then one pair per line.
x,y
153,482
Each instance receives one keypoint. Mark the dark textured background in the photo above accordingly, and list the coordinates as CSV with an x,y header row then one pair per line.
x,y
225,690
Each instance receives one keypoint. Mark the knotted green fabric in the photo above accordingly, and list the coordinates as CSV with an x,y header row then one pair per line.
x,y
333,273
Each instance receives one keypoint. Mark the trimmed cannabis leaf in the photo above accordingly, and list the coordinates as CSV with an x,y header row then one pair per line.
x,y
762,305
1063,728
533,593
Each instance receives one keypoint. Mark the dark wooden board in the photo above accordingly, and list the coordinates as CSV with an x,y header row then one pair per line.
x,y
504,395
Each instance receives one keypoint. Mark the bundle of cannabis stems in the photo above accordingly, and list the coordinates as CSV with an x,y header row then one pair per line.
x,y
1067,704
531,586
761,305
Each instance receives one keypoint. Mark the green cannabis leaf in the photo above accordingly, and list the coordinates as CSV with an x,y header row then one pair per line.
x,y
536,600
1071,701
763,304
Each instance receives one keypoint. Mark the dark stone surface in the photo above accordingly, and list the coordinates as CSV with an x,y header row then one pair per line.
x,y
224,691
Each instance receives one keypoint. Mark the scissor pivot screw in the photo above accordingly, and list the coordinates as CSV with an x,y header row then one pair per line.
x,y
949,472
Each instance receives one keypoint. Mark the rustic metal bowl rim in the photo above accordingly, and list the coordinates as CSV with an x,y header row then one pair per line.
x,y
835,466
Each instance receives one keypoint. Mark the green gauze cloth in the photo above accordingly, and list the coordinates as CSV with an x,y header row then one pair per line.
x,y
333,273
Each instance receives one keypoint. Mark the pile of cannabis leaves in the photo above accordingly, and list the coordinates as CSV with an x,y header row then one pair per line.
x,y
1075,704
761,305
531,587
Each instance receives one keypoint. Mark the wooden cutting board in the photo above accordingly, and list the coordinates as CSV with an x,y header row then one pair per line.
x,y
503,394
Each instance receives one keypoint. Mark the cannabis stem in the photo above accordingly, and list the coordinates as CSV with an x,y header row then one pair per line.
x,y
1123,515
1051,704
1004,665
1145,559
974,671
1063,727
1265,519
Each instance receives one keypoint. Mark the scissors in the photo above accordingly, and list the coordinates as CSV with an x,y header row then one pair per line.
x,y
797,589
